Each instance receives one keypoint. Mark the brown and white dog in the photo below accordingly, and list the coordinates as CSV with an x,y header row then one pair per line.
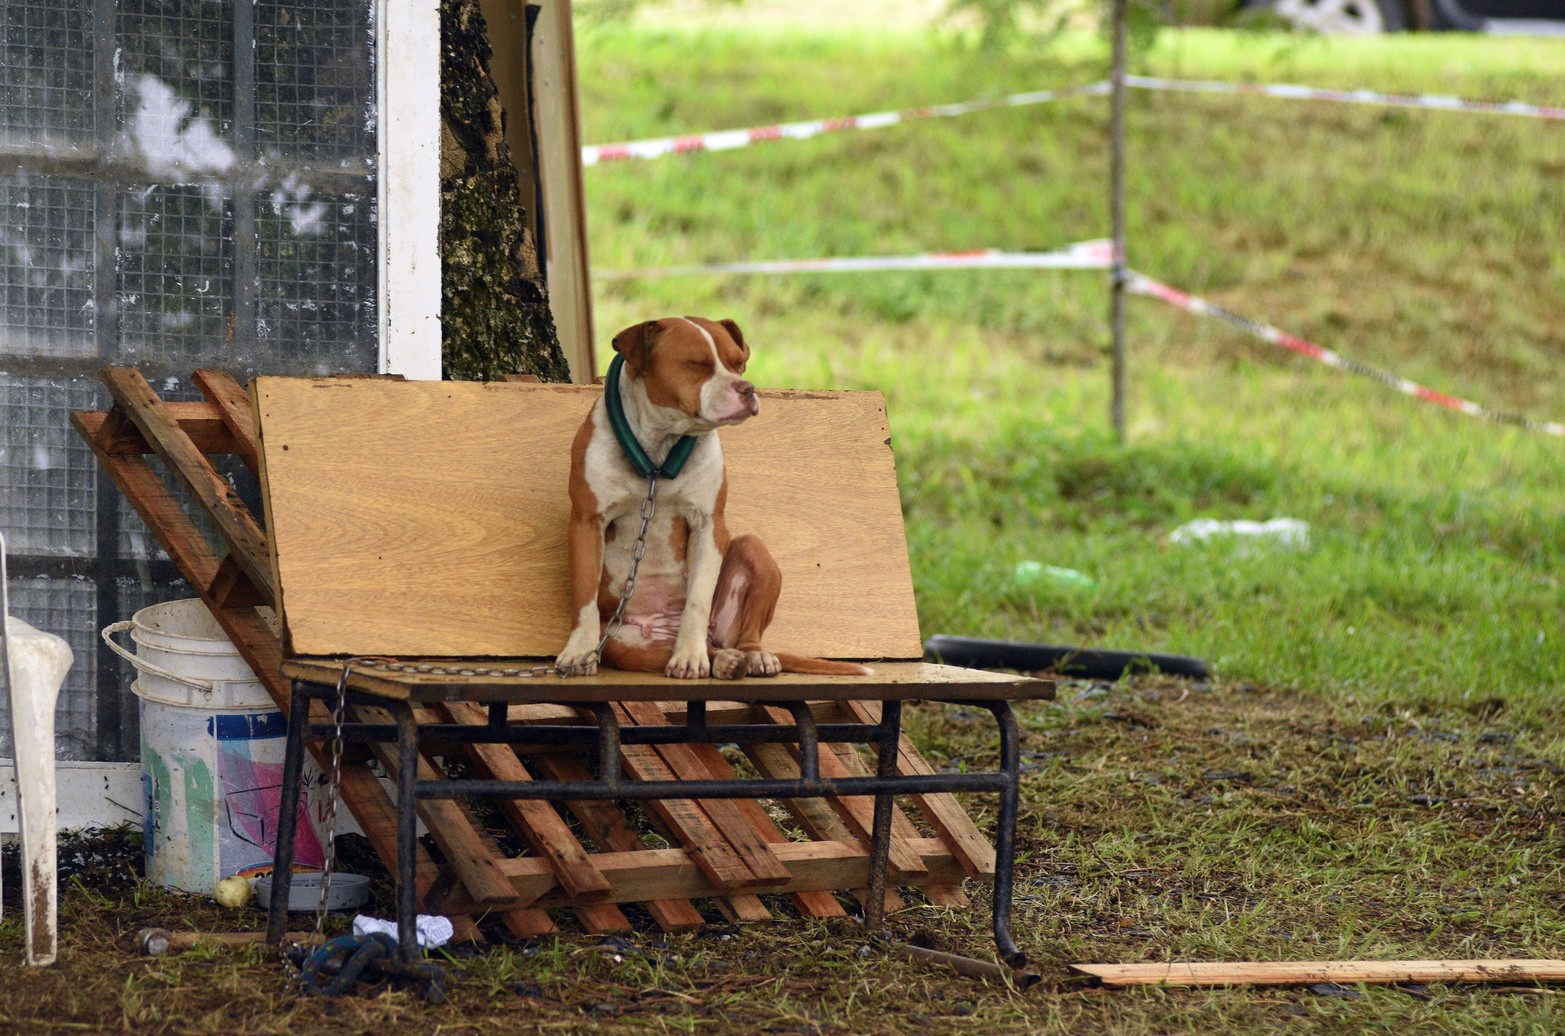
x,y
702,598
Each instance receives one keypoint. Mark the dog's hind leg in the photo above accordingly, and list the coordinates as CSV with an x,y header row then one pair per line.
x,y
742,607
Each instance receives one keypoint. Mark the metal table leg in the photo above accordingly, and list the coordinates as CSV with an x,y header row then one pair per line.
x,y
407,832
288,814
1005,836
889,734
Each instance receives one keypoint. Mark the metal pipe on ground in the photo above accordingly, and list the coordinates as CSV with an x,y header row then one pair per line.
x,y
1095,664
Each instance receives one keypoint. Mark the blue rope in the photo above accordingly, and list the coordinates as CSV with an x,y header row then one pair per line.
x,y
358,953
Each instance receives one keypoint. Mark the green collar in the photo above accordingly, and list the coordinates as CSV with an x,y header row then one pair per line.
x,y
627,439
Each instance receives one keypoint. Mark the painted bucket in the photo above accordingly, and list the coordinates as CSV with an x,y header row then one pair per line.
x,y
212,745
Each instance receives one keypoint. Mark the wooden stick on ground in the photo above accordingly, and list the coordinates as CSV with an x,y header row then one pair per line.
x,y
1299,973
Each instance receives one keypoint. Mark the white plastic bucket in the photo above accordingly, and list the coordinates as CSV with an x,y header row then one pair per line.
x,y
212,745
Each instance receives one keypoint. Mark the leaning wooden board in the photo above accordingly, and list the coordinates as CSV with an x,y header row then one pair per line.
x,y
436,527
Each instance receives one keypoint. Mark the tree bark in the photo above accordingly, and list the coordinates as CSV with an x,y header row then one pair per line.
x,y
494,303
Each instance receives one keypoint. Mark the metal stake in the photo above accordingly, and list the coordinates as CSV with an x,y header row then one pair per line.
x,y
1117,216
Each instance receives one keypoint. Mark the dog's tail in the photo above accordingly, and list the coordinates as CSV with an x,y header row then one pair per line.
x,y
820,666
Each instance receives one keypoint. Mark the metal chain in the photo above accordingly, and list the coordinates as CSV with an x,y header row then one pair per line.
x,y
333,791
340,705
628,587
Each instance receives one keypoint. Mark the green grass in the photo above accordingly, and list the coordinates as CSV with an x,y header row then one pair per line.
x,y
1426,243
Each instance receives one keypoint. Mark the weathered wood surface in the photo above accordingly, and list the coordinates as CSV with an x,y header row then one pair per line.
x,y
1300,973
233,407
890,680
645,873
429,518
136,399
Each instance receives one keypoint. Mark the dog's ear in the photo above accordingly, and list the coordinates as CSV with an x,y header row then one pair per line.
x,y
737,335
635,343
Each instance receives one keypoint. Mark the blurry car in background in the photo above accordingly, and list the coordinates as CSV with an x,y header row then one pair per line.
x,y
1531,17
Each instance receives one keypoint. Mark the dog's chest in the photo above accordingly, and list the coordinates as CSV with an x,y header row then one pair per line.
x,y
682,509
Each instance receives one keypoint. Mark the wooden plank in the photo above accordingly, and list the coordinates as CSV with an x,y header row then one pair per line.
x,y
523,922
233,520
235,410
528,924
743,909
1300,973
645,873
943,812
534,819
814,815
461,845
726,814
902,828
554,117
200,421
231,588
902,681
473,564
150,496
858,811
810,904
609,829
689,824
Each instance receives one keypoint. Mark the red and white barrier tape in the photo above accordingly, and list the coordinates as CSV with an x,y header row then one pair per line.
x,y
725,140
1310,93
1084,255
1144,285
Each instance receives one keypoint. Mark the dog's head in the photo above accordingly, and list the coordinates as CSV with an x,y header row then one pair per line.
x,y
692,365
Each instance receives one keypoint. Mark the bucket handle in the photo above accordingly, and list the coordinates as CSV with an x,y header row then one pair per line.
x,y
147,667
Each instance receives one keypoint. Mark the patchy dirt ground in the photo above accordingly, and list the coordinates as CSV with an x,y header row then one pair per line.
x,y
1163,820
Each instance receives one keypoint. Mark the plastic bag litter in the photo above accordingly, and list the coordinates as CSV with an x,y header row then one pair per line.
x,y
1290,533
433,930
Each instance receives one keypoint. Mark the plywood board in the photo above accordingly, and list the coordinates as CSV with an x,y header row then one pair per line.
x,y
428,518
1300,973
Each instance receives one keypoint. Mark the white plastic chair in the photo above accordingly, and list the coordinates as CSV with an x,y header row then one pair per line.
x,y
33,665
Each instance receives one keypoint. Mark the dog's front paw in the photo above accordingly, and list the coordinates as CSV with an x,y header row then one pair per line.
x,y
573,663
688,664
580,656
729,664
762,663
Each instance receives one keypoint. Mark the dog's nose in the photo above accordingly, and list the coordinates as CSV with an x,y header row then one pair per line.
x,y
745,389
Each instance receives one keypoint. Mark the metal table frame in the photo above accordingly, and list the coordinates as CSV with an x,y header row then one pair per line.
x,y
608,735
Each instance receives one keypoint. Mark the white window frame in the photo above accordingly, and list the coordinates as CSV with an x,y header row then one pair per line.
x,y
407,102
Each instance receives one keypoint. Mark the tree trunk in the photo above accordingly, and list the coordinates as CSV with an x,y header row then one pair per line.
x,y
494,304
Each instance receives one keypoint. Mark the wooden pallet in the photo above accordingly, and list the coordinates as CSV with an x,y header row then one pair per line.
x,y
728,851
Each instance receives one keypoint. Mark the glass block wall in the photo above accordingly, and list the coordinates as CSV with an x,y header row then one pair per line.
x,y
183,184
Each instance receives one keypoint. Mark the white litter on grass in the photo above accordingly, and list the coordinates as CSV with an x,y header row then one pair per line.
x,y
433,930
1290,533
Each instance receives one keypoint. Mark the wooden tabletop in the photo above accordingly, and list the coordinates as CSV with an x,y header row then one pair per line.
x,y
467,679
